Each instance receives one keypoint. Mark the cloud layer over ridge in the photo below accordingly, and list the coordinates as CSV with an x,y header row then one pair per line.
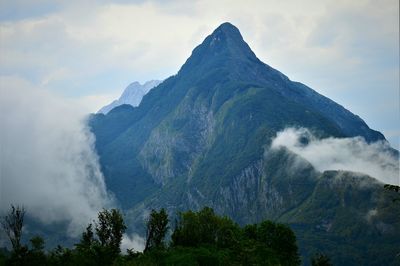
x,y
351,154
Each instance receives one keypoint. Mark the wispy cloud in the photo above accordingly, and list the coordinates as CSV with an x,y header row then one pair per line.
x,y
351,154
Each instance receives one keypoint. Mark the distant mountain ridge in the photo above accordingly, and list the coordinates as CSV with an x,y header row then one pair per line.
x,y
202,137
132,95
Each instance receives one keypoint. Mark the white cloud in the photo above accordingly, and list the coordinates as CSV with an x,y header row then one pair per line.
x,y
133,241
47,161
351,154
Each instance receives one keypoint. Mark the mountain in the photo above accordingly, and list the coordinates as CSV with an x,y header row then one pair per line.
x,y
350,217
132,95
202,138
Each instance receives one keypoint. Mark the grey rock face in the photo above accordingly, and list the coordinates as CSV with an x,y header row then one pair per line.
x,y
173,147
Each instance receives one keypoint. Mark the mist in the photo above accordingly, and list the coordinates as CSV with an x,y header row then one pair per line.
x,y
133,241
47,160
350,154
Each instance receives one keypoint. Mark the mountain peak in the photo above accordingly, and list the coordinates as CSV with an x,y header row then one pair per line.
x,y
225,46
226,40
132,95
227,25
229,30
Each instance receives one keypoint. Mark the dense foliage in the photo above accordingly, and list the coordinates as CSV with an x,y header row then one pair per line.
x,y
157,227
258,244
199,238
320,260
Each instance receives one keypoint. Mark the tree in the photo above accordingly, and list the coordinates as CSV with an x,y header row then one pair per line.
x,y
12,224
62,256
205,236
187,230
85,249
281,239
156,228
87,239
199,228
258,246
36,255
109,229
394,188
320,260
100,246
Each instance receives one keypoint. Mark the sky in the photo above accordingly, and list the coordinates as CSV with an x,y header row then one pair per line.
x,y
89,51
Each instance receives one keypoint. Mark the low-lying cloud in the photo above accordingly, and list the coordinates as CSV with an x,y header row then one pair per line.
x,y
133,241
351,154
47,160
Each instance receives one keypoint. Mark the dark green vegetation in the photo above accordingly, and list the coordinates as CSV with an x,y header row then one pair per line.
x,y
201,138
99,247
393,188
320,260
350,218
199,238
156,228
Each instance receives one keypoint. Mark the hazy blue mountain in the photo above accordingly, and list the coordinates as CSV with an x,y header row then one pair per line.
x,y
201,137
132,95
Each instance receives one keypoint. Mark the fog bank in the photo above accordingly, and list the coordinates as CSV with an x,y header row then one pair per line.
x,y
47,160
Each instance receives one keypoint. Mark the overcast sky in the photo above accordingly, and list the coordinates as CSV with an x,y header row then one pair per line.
x,y
346,50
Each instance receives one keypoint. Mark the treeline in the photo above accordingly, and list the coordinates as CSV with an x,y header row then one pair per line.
x,y
198,238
